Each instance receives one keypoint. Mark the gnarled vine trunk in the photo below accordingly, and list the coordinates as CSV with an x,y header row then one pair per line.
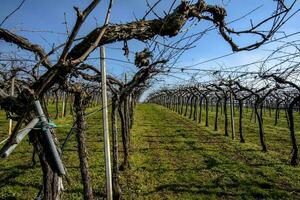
x,y
261,128
80,106
115,175
217,114
294,160
225,117
241,105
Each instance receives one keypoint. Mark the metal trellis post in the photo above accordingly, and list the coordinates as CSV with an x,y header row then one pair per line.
x,y
105,125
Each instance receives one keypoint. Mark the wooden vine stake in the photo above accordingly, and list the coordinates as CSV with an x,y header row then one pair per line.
x,y
12,91
105,125
63,104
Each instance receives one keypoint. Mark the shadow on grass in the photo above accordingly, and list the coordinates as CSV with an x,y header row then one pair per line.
x,y
97,194
231,190
9,176
193,189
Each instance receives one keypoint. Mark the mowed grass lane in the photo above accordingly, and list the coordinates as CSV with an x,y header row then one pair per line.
x,y
175,158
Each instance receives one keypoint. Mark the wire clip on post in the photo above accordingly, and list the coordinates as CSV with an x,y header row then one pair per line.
x,y
41,123
50,145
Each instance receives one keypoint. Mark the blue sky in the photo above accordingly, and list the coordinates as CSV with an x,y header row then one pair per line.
x,y
42,15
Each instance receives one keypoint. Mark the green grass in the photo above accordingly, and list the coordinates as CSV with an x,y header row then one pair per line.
x,y
172,157
277,137
18,180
